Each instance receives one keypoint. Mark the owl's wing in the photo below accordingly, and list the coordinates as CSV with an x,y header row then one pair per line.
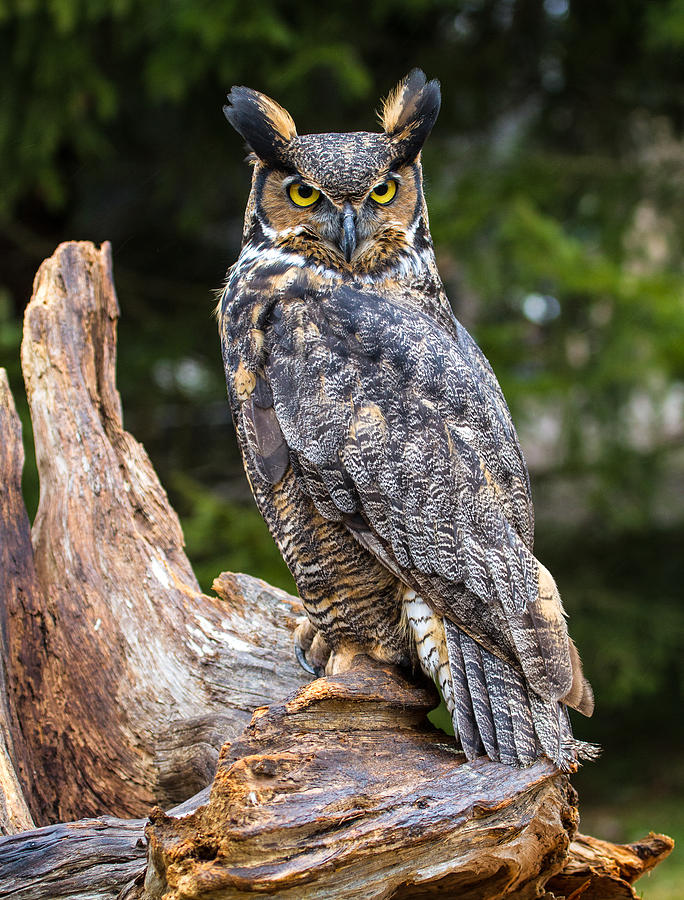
x,y
399,428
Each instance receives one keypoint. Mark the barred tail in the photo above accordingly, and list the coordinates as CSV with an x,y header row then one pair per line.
x,y
492,708
494,711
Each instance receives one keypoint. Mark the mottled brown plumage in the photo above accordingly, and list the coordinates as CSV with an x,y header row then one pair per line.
x,y
376,439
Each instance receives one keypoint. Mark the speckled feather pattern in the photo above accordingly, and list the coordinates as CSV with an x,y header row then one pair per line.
x,y
345,165
382,455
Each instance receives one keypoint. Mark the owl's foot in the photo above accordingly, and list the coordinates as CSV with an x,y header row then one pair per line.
x,y
311,650
344,659
348,656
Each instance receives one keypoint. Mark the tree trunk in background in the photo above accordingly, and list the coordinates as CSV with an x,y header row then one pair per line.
x,y
120,682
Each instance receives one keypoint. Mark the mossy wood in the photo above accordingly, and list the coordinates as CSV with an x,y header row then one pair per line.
x,y
120,682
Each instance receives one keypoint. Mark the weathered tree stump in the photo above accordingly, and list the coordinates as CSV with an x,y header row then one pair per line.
x,y
120,681
343,791
131,677
16,577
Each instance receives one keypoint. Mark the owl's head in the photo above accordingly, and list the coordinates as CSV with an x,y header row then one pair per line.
x,y
349,201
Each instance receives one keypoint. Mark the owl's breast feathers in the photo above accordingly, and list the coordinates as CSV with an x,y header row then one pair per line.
x,y
396,426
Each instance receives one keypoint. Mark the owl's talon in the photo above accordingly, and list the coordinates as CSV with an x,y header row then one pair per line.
x,y
311,650
302,660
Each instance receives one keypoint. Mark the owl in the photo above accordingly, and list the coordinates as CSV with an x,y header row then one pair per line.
x,y
376,439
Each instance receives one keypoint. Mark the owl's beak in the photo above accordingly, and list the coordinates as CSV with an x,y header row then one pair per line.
x,y
348,243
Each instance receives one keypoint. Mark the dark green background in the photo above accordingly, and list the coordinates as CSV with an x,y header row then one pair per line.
x,y
556,169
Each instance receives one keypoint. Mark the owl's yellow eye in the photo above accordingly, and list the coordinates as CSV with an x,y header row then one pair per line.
x,y
303,194
384,193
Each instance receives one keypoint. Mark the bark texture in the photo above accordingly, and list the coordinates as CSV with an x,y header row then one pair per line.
x,y
131,677
16,577
343,791
94,859
120,681
600,870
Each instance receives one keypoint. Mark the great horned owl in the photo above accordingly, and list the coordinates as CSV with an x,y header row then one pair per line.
x,y
376,439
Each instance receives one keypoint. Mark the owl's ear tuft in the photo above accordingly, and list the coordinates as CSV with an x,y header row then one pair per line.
x,y
409,112
263,123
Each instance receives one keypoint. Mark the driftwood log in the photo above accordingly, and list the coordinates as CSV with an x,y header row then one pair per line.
x,y
121,683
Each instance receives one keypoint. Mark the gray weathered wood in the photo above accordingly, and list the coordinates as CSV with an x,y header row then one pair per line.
x,y
139,676
93,859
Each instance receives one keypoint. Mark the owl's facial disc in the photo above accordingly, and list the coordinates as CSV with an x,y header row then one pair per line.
x,y
362,232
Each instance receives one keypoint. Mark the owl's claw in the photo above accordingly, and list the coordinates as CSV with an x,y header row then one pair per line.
x,y
311,650
301,659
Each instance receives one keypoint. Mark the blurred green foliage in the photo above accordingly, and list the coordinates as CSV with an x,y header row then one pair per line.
x,y
217,528
555,182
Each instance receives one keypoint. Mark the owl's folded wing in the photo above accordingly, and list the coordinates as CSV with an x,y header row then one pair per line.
x,y
399,428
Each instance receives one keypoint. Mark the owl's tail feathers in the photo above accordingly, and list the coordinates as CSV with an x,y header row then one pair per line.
x,y
493,711
580,695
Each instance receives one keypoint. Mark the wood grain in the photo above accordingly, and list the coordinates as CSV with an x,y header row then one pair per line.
x,y
93,859
601,870
139,677
344,790
17,580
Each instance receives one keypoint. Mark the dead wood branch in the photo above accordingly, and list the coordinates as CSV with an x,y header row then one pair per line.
x,y
94,859
600,870
342,791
